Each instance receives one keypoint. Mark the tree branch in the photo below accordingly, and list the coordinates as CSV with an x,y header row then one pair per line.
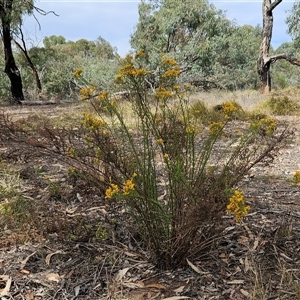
x,y
291,59
274,4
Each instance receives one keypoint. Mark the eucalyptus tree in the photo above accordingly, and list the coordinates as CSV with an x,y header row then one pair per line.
x,y
57,60
11,12
199,38
265,59
11,18
293,22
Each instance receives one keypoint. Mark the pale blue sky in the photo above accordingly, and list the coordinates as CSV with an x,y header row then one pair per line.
x,y
115,20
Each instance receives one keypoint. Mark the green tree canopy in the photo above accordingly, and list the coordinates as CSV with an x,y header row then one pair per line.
x,y
293,22
200,38
57,60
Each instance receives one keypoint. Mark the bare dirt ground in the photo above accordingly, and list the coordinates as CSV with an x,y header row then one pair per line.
x,y
67,256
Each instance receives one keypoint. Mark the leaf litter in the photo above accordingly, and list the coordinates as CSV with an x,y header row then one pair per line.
x,y
63,260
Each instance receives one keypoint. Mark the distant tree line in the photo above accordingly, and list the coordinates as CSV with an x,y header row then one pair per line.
x,y
212,51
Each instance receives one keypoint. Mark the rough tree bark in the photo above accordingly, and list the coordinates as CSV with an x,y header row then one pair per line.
x,y
265,60
11,68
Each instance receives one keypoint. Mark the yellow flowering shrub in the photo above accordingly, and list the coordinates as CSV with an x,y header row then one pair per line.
x,y
265,126
93,123
229,108
176,146
296,178
237,206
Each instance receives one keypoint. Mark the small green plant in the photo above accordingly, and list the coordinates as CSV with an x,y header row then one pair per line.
x,y
101,232
9,183
259,291
282,105
217,113
55,191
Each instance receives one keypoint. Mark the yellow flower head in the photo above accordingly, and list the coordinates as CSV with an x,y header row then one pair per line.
x,y
103,95
171,73
266,126
87,92
187,86
128,187
237,206
78,72
169,61
215,128
138,72
229,108
296,178
111,191
190,129
160,141
163,93
93,123
71,151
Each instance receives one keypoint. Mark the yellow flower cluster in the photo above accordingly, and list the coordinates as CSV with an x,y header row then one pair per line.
x,y
128,187
171,73
237,206
111,191
71,151
87,92
103,95
129,69
229,108
215,128
138,72
296,178
92,123
190,130
78,72
266,125
169,61
163,93
160,141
